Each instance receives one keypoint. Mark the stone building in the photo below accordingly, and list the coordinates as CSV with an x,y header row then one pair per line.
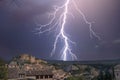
x,y
17,74
13,73
40,75
27,57
60,74
27,67
13,64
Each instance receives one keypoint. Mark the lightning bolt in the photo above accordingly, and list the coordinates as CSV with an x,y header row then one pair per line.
x,y
58,23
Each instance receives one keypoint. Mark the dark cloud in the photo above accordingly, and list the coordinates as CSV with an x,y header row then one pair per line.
x,y
116,41
17,29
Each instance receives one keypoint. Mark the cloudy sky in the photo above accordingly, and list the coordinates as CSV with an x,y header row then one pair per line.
x,y
18,36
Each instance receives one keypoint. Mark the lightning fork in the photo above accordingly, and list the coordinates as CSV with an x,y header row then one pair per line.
x,y
58,23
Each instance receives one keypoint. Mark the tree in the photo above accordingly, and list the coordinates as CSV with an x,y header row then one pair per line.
x,y
3,70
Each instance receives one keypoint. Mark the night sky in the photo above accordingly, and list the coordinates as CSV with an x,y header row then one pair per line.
x,y
18,35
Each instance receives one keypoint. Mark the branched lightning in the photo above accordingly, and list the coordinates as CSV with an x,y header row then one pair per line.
x,y
59,22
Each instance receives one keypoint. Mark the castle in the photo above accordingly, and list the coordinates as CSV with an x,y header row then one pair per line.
x,y
26,67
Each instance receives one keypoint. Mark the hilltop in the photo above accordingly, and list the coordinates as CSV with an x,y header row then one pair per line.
x,y
30,66
27,59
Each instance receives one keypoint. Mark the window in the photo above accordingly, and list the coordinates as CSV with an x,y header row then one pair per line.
x,y
37,77
50,76
21,75
41,77
46,76
117,74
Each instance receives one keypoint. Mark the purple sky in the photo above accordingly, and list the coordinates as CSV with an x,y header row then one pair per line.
x,y
17,29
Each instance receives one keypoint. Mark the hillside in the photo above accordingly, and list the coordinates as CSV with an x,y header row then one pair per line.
x,y
75,70
30,65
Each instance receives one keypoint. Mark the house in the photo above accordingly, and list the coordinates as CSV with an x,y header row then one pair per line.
x,y
39,75
60,74
17,74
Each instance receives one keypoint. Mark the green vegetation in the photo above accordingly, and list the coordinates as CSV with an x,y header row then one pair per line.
x,y
75,78
105,76
3,70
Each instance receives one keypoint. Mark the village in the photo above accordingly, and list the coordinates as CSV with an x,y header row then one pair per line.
x,y
30,68
27,67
